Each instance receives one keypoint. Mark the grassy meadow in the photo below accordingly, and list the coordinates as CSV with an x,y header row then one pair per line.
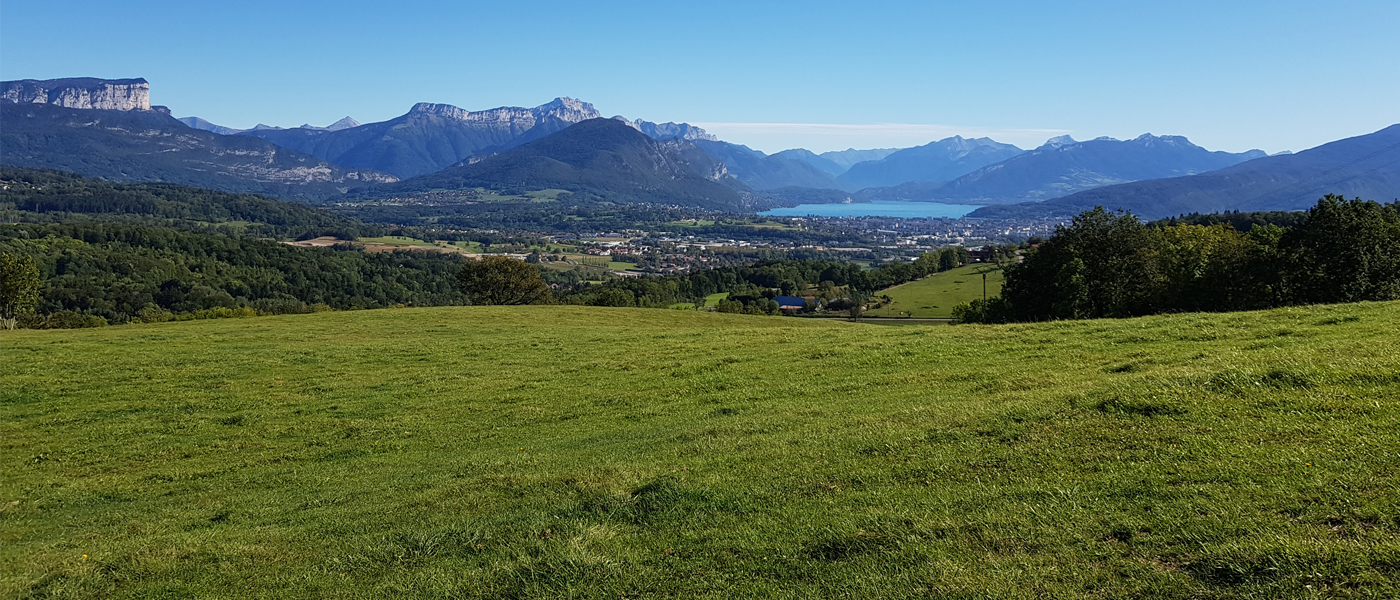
x,y
560,452
936,295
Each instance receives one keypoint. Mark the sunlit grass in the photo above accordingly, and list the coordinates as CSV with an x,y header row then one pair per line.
x,y
936,295
565,451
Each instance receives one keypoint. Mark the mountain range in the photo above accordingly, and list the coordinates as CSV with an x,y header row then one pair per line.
x,y
1063,166
935,162
109,129
1365,166
606,159
138,145
431,137
198,123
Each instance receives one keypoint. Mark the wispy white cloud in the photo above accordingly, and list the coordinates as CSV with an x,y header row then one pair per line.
x,y
819,137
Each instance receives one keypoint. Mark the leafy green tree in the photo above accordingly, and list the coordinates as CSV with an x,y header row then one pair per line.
x,y
497,280
1102,265
948,259
1216,268
19,288
927,263
857,307
615,297
1346,251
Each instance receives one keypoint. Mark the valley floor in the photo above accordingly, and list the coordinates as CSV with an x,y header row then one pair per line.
x,y
589,452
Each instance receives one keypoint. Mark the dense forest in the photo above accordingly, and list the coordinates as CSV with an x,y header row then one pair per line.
x,y
1112,265
125,272
110,253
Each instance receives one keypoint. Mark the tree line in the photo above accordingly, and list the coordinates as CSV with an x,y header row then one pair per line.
x,y
1106,264
751,288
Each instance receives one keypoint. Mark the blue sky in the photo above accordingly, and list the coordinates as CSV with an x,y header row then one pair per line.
x,y
1230,75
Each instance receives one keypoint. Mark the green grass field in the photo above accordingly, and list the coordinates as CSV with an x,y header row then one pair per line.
x,y
713,299
567,452
396,240
936,295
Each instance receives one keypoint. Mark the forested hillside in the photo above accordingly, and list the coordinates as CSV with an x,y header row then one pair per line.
x,y
125,272
111,252
37,195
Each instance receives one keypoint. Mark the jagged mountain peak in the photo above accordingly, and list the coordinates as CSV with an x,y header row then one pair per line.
x,y
1059,140
345,123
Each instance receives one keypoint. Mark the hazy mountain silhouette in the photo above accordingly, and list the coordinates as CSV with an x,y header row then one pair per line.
x,y
1366,166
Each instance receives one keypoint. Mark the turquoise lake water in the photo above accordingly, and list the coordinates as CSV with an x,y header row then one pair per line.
x,y
907,210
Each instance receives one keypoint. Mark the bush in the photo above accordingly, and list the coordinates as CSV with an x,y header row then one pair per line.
x,y
66,319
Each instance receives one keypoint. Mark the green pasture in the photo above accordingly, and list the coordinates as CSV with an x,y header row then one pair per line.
x,y
396,240
550,195
936,295
713,299
574,452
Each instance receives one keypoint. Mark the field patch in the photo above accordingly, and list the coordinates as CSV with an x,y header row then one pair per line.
x,y
936,295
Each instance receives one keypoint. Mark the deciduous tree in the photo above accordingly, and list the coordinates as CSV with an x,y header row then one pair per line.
x,y
497,280
19,288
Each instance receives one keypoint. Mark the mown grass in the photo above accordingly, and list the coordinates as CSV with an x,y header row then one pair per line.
x,y
591,452
936,295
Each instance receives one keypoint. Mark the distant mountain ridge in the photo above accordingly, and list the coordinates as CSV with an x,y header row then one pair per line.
x,y
1063,166
765,172
669,131
850,157
431,136
198,123
1366,166
150,146
602,159
937,162
822,163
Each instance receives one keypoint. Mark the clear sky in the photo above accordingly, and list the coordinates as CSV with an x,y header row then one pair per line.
x,y
1229,74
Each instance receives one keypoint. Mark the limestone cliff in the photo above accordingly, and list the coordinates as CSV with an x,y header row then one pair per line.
x,y
80,92
566,109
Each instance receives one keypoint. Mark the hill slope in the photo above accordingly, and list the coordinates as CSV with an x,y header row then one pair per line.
x,y
554,451
1064,166
148,145
1366,166
938,162
601,158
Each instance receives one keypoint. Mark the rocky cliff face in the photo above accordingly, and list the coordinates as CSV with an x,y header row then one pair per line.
x,y
669,131
80,92
568,110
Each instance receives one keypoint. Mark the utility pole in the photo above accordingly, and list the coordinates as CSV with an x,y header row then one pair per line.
x,y
984,287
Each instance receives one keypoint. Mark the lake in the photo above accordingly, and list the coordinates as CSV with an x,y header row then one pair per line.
x,y
906,210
